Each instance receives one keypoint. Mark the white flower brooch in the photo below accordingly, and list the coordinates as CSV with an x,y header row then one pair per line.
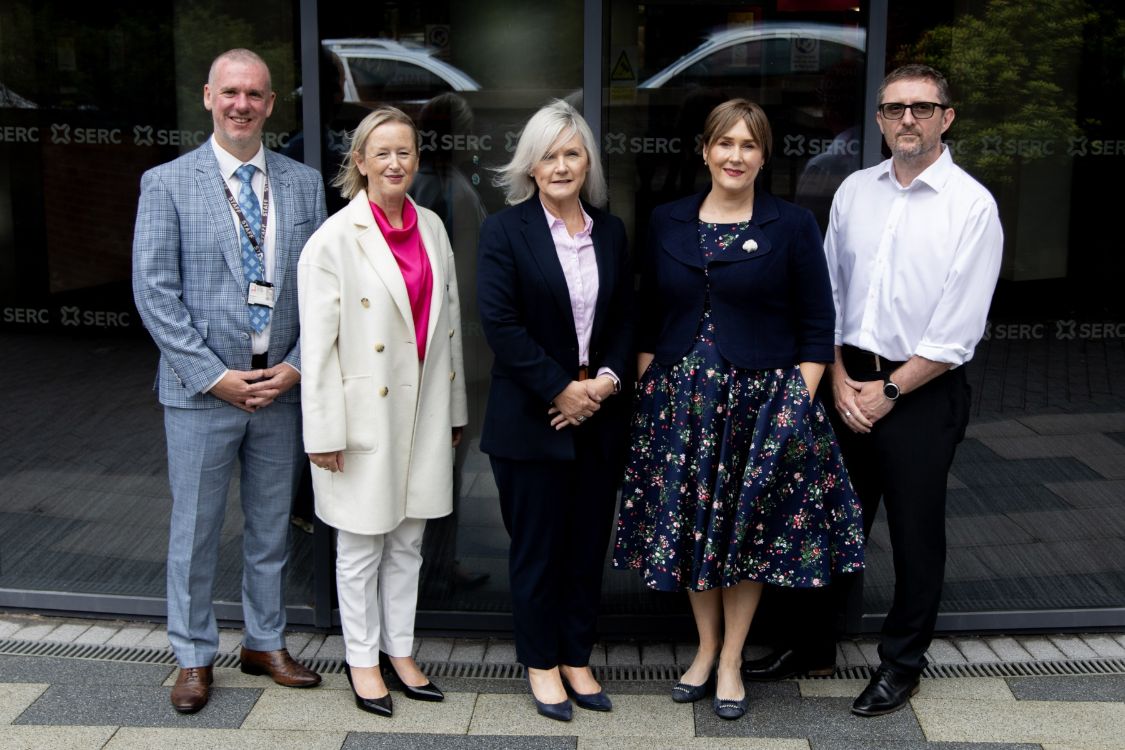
x,y
749,246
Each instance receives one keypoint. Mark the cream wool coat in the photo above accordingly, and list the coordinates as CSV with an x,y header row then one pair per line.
x,y
363,390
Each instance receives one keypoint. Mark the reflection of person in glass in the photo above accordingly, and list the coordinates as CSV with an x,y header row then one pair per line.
x,y
734,478
383,395
554,290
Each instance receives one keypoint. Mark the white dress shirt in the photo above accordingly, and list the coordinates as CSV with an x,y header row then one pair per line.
x,y
228,164
913,268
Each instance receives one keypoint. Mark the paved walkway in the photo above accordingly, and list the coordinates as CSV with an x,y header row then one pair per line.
x,y
109,689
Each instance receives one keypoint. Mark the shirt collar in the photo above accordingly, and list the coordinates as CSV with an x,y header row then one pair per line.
x,y
553,221
228,162
934,176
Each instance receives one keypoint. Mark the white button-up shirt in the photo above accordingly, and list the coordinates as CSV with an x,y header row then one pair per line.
x,y
913,268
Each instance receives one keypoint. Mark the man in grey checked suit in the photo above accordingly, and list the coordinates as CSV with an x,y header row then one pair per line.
x,y
218,234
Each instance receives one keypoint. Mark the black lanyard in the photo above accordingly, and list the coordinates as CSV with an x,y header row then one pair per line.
x,y
254,243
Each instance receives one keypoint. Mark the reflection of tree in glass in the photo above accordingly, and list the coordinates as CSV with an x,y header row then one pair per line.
x,y
1013,68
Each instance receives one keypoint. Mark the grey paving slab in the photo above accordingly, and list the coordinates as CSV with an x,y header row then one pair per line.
x,y
130,635
230,641
853,656
976,650
1110,466
436,649
942,651
134,705
1041,648
1020,721
296,642
685,652
469,650
1079,446
1090,494
71,738
500,652
55,670
136,738
624,654
332,648
999,428
953,483
16,697
335,710
1085,688
824,719
35,631
310,649
158,638
870,651
632,716
1072,523
1073,646
7,627
1020,561
67,632
1104,645
401,741
978,688
923,745
96,635
1008,649
691,743
235,678
1074,424
598,655
657,654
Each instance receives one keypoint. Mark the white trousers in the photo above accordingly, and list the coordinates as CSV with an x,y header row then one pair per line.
x,y
377,584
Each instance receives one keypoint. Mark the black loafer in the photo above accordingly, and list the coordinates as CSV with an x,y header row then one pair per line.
x,y
562,711
598,701
428,692
782,664
730,710
887,692
379,706
683,692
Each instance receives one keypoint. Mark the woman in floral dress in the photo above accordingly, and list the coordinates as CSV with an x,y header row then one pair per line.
x,y
735,479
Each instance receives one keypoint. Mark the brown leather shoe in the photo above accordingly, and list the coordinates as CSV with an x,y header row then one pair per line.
x,y
280,666
192,689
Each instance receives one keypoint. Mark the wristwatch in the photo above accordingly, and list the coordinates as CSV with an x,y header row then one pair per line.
x,y
891,390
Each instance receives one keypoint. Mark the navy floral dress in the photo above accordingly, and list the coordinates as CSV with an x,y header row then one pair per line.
x,y
733,474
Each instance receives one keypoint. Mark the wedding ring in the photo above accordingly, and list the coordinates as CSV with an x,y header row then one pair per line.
x,y
582,419
848,414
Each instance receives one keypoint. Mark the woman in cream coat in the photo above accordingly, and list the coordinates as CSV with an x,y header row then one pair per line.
x,y
383,397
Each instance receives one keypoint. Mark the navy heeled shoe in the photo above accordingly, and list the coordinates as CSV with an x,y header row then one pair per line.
x,y
598,701
378,706
562,711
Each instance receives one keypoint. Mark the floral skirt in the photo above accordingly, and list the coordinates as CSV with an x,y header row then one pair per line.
x,y
734,475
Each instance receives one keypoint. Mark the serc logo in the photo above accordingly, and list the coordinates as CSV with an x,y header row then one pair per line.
x,y
142,135
794,145
60,133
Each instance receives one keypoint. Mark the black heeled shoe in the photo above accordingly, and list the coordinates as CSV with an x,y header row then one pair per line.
x,y
598,701
563,711
683,692
378,706
428,692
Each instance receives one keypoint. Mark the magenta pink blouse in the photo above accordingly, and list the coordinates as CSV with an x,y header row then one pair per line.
x,y
406,245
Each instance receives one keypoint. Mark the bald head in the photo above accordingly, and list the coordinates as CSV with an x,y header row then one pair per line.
x,y
239,55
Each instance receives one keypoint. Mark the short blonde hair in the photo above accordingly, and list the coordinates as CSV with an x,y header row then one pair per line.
x,y
553,123
726,115
349,179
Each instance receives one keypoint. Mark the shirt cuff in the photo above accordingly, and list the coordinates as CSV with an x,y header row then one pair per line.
x,y
612,375
208,388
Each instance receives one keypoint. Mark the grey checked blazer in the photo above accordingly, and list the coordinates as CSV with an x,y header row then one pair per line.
x,y
187,271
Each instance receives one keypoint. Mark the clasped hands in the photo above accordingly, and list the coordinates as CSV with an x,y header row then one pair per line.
x,y
580,400
251,390
860,403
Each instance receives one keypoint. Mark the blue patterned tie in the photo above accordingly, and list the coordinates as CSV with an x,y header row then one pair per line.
x,y
251,264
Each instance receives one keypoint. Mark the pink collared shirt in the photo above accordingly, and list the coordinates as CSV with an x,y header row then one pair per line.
x,y
580,266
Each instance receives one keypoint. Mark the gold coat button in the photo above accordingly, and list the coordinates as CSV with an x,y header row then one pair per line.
x,y
452,375
450,333
365,302
384,391
379,347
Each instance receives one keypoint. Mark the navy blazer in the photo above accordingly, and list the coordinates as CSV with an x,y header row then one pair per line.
x,y
771,304
525,310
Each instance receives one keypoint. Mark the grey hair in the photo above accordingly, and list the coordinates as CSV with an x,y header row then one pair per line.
x,y
558,121
349,179
917,72
241,55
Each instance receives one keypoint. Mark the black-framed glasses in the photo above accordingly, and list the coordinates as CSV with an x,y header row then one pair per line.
x,y
920,110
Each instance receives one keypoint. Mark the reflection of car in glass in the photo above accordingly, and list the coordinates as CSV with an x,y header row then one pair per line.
x,y
383,70
761,49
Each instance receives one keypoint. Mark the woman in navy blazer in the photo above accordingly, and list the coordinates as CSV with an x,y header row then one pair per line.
x,y
554,289
734,478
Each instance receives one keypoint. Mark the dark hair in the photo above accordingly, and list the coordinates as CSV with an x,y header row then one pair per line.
x,y
914,72
724,117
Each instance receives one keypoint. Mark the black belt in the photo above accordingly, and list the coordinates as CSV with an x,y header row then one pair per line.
x,y
860,362
259,361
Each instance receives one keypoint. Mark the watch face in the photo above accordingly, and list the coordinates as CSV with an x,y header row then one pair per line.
x,y
890,390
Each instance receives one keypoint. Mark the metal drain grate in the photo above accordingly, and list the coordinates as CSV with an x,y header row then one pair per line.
x,y
508,671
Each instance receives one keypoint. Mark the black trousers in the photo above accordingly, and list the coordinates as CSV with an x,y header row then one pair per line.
x,y
904,463
559,515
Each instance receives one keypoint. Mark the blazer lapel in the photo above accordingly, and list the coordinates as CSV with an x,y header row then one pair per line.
x,y
378,254
282,194
210,183
542,248
765,211
682,241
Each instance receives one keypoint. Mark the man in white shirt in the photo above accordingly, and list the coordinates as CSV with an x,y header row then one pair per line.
x,y
215,250
914,248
